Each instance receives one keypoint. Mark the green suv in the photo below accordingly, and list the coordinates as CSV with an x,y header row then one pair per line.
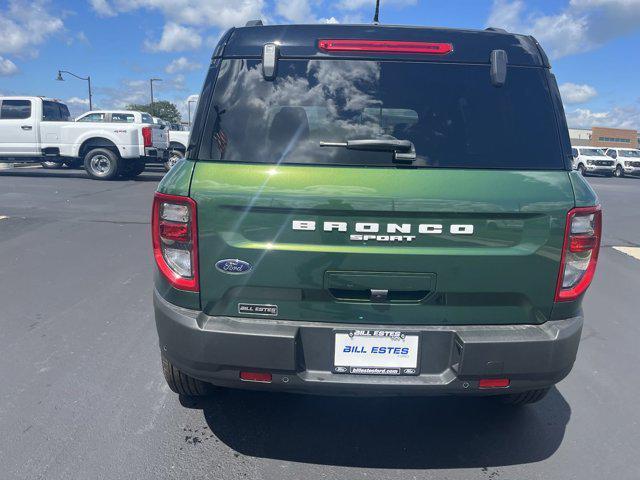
x,y
374,210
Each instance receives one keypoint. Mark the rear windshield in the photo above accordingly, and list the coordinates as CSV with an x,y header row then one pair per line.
x,y
451,113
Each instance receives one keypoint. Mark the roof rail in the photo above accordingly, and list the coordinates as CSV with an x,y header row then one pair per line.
x,y
497,30
254,23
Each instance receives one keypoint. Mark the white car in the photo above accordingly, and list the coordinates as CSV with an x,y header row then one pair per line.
x,y
108,143
592,160
627,161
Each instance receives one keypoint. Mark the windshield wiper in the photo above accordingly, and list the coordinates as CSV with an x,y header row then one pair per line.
x,y
403,150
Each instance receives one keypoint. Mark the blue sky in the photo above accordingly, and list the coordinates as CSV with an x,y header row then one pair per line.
x,y
593,44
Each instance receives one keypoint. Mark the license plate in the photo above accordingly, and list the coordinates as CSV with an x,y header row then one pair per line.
x,y
376,352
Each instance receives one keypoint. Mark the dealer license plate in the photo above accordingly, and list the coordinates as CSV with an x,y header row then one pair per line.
x,y
376,352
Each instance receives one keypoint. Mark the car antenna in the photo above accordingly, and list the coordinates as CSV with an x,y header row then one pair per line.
x,y
376,14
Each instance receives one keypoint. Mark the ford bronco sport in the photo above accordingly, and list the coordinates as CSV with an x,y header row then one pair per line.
x,y
356,214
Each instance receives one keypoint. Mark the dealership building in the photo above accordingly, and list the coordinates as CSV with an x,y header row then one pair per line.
x,y
605,137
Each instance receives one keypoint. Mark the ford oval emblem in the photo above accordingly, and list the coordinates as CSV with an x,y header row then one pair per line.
x,y
233,266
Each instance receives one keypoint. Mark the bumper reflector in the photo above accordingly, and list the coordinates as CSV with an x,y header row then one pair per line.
x,y
493,383
255,377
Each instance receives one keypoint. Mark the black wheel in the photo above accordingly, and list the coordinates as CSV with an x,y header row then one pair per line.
x,y
619,172
101,164
174,157
49,165
582,170
132,169
182,383
524,398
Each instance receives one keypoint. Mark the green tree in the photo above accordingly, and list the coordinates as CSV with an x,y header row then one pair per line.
x,y
162,109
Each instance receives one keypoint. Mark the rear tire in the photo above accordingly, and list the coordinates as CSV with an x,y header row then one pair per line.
x,y
49,165
183,384
101,164
524,398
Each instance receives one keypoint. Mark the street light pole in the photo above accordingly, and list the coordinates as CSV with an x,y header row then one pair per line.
x,y
151,80
86,79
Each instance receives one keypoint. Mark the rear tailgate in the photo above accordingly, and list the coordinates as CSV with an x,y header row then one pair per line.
x,y
160,137
503,273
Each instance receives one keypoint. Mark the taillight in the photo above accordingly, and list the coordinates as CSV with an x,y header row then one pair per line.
x,y
146,136
385,46
175,240
582,237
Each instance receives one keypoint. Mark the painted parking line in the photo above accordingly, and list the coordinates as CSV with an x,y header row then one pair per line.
x,y
631,251
3,217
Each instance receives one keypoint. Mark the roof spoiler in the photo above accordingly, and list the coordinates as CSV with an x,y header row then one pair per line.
x,y
254,23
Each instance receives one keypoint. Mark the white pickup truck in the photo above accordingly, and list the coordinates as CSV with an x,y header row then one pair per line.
x,y
108,143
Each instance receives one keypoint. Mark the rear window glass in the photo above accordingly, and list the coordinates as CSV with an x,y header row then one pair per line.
x,y
92,117
15,109
146,118
122,118
54,112
452,114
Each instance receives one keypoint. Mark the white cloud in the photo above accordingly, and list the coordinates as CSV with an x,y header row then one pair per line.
x,y
129,91
7,67
139,91
357,4
77,101
77,105
26,24
296,11
204,13
102,7
617,117
581,26
186,20
184,106
182,64
175,38
574,93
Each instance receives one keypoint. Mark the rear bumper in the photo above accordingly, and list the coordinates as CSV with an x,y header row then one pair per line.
x,y
299,354
153,154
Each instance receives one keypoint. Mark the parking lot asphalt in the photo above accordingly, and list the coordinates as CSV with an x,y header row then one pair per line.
x,y
82,395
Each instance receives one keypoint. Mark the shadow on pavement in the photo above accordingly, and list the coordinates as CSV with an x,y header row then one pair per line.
x,y
438,432
150,175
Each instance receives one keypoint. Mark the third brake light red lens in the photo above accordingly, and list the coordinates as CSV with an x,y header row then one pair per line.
x,y
385,46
